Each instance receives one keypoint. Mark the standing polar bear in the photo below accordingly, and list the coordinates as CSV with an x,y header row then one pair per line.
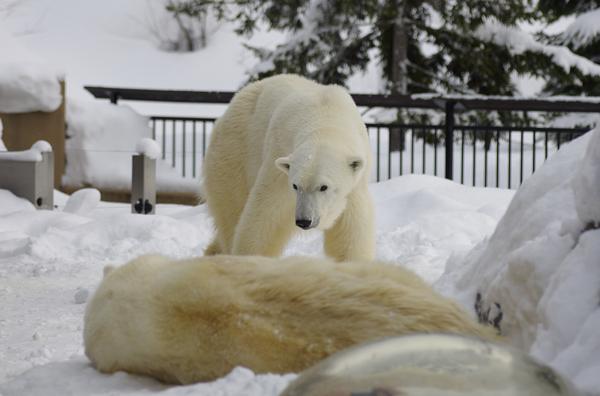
x,y
290,154
195,320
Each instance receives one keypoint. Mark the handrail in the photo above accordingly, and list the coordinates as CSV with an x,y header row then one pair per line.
x,y
427,101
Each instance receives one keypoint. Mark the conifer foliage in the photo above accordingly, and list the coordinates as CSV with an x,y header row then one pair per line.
x,y
582,37
422,45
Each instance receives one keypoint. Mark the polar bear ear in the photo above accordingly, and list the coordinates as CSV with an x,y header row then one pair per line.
x,y
356,162
283,164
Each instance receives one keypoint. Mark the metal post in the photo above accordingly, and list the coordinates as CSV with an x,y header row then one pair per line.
x,y
143,185
31,180
449,139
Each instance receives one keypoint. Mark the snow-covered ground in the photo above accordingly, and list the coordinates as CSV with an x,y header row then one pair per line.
x,y
540,265
539,262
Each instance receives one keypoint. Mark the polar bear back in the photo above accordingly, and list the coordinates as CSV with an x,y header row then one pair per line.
x,y
194,320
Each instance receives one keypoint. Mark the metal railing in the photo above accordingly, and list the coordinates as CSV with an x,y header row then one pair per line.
x,y
183,141
482,156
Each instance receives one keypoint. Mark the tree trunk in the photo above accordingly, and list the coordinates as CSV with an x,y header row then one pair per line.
x,y
399,76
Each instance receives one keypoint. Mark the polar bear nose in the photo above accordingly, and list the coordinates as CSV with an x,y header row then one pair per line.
x,y
304,224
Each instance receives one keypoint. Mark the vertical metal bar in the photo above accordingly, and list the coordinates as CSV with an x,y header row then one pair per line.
x,y
164,139
546,145
194,151
522,155
509,156
204,139
412,150
400,164
534,150
153,129
485,157
183,148
449,138
424,154
378,154
474,156
174,142
435,151
462,157
390,152
497,159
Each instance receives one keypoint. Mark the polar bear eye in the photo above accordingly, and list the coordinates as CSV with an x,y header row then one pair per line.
x,y
295,186
323,188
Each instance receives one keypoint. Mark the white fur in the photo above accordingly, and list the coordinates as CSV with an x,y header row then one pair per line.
x,y
195,320
282,132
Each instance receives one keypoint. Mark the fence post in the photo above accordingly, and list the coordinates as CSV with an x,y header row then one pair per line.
x,y
30,178
449,140
143,184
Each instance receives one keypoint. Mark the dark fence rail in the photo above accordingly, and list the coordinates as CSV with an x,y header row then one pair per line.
x,y
503,157
500,156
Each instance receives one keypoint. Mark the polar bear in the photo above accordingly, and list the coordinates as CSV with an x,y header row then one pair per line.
x,y
290,154
195,320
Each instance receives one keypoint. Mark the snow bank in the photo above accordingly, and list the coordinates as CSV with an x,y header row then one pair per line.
x,y
540,266
27,87
101,139
27,81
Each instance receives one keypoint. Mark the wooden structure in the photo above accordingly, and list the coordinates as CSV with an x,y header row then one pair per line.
x,y
22,130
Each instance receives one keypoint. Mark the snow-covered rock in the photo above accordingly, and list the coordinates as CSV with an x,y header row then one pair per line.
x,y
540,266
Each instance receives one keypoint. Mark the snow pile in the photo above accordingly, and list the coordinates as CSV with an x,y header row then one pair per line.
x,y
34,154
27,87
83,201
27,82
540,267
101,141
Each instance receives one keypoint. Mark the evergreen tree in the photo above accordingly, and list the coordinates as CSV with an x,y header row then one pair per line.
x,y
582,37
330,40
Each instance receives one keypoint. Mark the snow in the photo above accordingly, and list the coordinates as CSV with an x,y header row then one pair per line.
x,y
48,260
537,261
584,29
27,81
540,265
34,154
101,139
149,148
530,251
519,42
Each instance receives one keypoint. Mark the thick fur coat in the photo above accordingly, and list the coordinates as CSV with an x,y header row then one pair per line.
x,y
195,320
290,154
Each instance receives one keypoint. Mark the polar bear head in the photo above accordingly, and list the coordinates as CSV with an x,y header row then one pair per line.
x,y
321,179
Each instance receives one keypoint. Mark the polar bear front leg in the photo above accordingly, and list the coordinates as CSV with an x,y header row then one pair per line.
x,y
352,237
267,222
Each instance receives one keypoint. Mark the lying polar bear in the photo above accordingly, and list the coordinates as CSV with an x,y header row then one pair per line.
x,y
195,320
